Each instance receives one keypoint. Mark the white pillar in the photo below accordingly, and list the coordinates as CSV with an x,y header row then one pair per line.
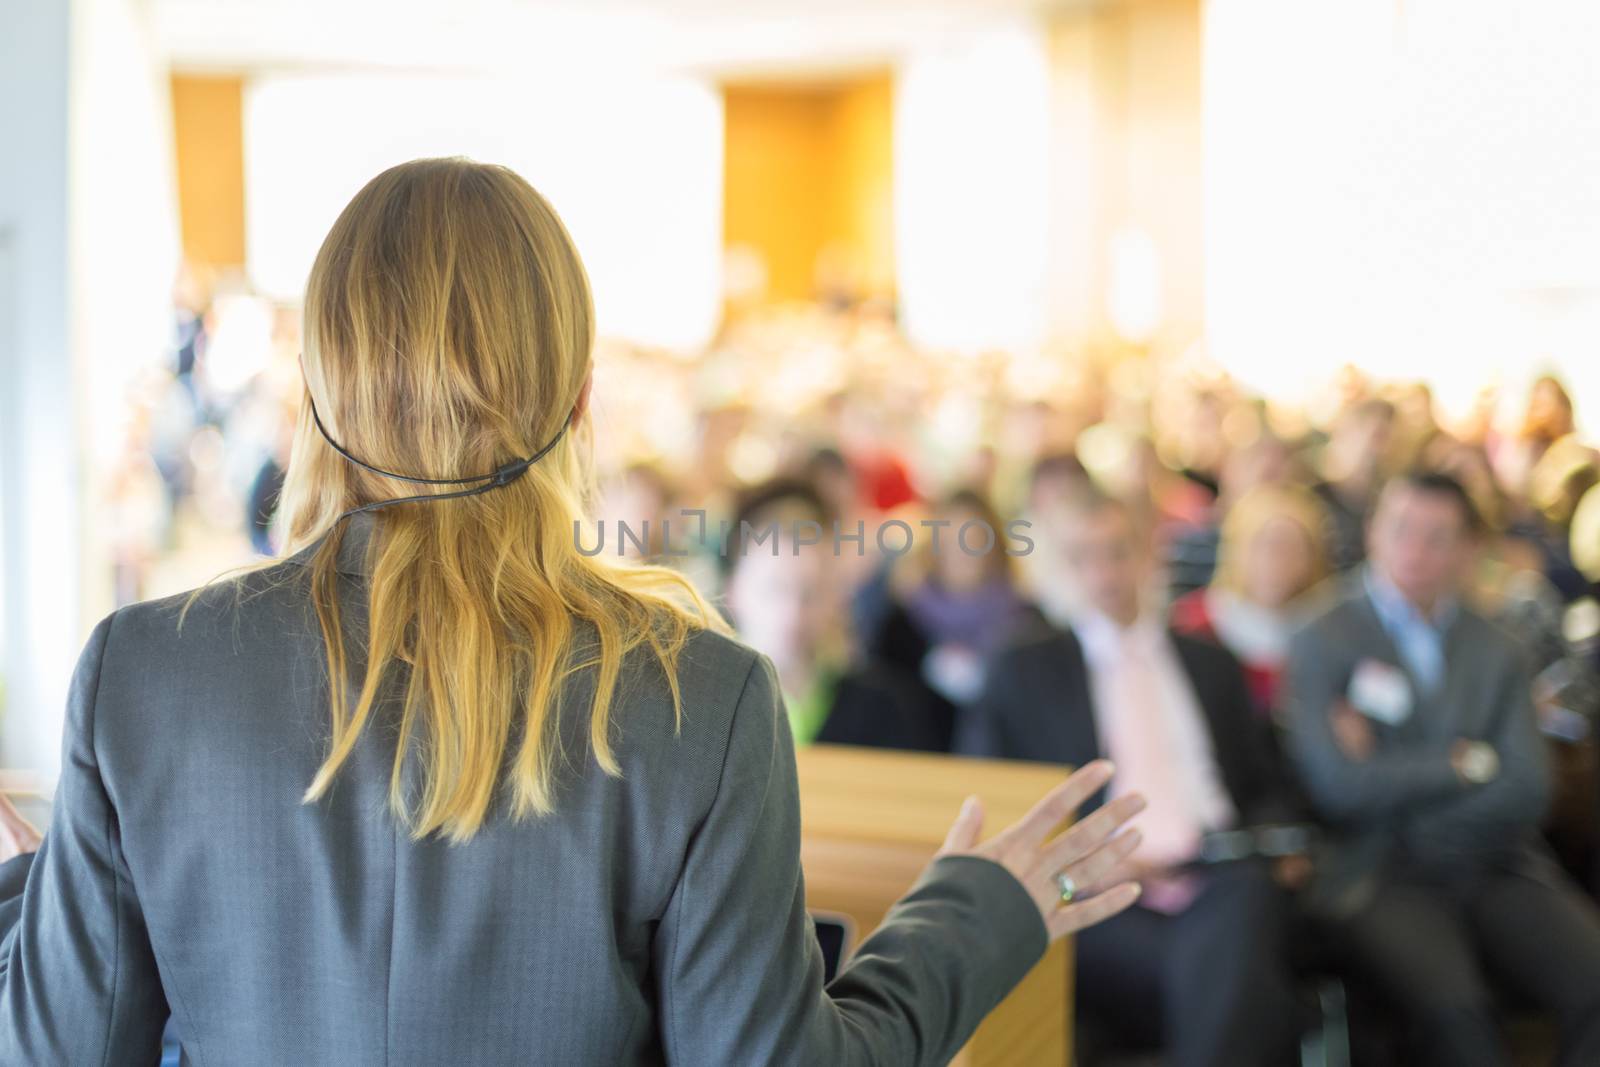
x,y
88,252
971,187
40,472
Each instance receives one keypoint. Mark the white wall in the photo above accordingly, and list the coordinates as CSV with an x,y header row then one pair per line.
x,y
971,178
1125,172
633,164
39,458
88,252
124,243
1409,187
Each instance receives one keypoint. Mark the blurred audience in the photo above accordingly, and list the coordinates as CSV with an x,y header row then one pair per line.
x,y
1271,555
1549,418
1175,532
1191,553
954,597
1352,469
1413,726
783,596
1200,965
1054,479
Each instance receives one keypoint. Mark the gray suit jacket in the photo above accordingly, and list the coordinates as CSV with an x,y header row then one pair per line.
x,y
1405,803
655,918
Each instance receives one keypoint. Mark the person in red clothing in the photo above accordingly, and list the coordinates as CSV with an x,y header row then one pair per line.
x,y
1271,555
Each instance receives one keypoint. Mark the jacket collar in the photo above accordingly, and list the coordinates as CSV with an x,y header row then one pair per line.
x,y
352,557
1395,611
1100,637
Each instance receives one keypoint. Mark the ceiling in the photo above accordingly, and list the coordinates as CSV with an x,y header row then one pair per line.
x,y
721,38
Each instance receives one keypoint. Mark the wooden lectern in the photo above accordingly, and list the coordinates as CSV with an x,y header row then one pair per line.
x,y
871,819
30,793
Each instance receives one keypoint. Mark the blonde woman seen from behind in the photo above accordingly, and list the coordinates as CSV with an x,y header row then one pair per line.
x,y
439,786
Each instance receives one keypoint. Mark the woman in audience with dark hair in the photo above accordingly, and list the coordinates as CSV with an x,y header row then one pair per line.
x,y
954,597
786,596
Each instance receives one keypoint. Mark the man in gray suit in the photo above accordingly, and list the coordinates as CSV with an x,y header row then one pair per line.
x,y
1413,728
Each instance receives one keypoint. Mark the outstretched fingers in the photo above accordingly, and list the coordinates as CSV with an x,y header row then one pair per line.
x,y
1097,867
1095,830
1055,806
1070,918
1126,869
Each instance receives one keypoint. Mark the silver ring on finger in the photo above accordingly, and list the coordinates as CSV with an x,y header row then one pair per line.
x,y
1067,887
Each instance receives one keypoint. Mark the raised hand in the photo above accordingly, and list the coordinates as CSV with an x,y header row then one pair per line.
x,y
1091,853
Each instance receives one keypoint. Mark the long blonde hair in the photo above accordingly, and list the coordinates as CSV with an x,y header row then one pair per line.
x,y
1253,511
449,329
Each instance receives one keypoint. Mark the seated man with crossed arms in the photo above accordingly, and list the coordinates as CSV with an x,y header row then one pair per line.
x,y
1412,723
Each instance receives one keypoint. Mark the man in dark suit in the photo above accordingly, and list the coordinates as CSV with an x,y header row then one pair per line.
x,y
1200,966
786,600
1411,719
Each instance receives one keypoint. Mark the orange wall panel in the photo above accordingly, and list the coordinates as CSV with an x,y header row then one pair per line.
x,y
208,131
809,173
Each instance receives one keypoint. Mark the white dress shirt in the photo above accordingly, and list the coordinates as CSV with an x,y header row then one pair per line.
x,y
1152,728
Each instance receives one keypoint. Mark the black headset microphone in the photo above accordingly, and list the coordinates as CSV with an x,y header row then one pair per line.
x,y
503,476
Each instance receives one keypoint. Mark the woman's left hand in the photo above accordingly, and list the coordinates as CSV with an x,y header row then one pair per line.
x,y
17,834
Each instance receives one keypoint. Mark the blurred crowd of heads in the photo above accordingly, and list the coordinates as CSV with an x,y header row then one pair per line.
x,y
834,414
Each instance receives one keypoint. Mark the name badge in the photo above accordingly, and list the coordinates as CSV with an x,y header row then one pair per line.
x,y
1381,692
